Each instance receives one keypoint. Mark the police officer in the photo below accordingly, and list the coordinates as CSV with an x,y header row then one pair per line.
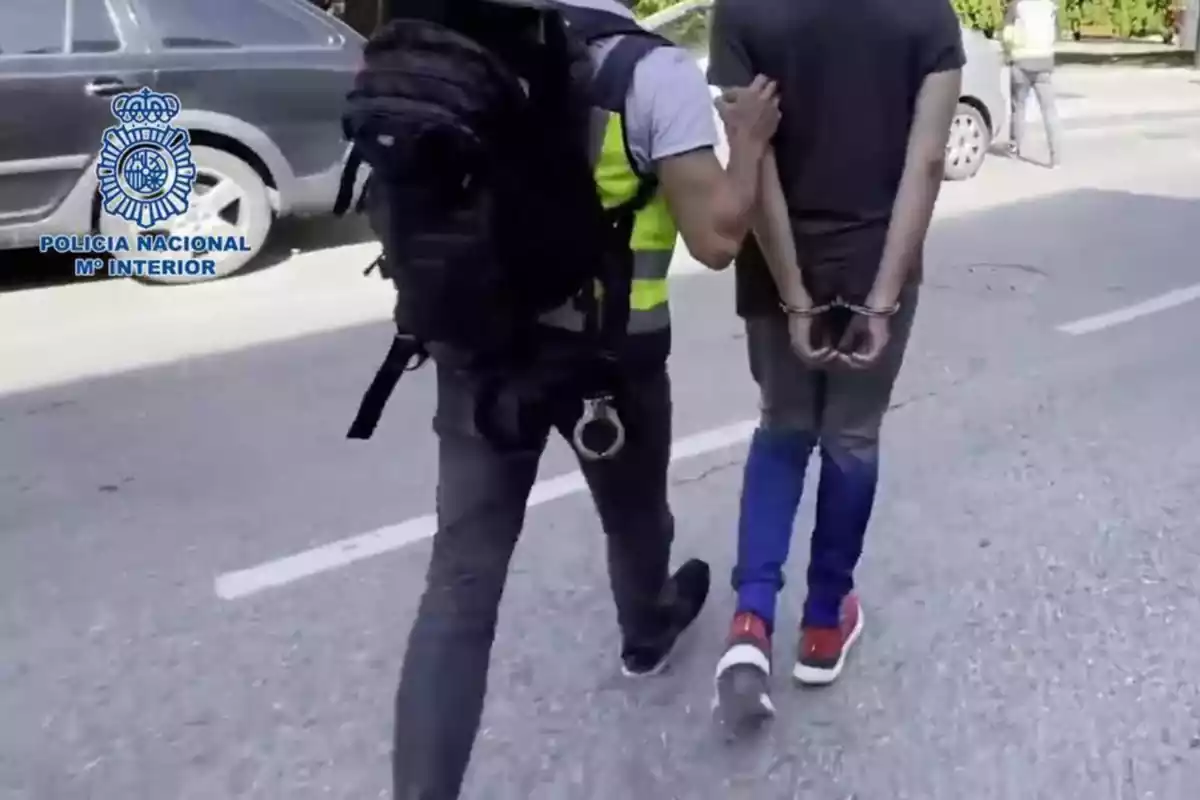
x,y
666,129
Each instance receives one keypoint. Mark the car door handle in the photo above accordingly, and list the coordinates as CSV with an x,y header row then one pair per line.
x,y
106,87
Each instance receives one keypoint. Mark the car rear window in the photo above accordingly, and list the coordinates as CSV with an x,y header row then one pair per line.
x,y
188,24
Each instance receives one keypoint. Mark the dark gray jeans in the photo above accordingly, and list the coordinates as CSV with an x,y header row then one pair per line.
x,y
481,499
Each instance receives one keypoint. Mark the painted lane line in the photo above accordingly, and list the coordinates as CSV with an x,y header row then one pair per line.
x,y
335,555
1120,316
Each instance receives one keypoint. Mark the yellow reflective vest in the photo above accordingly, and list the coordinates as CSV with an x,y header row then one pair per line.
x,y
652,240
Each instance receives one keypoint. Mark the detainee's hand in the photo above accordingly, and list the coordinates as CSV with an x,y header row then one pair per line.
x,y
865,339
804,332
751,111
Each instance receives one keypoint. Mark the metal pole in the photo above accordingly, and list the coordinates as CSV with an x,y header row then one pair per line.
x,y
69,28
1194,20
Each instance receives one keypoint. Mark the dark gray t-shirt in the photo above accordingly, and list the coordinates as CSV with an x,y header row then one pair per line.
x,y
849,72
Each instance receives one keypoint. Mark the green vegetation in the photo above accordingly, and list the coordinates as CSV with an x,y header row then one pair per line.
x,y
644,8
982,15
1122,19
689,31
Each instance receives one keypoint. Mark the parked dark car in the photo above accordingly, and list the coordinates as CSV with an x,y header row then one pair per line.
x,y
261,83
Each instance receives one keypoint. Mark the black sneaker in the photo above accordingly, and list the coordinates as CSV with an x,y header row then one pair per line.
x,y
743,692
685,594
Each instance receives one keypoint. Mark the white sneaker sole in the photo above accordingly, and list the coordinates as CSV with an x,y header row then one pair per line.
x,y
662,665
659,668
815,676
760,707
738,708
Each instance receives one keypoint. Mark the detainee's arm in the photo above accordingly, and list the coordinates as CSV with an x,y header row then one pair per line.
x,y
773,230
711,206
730,66
925,159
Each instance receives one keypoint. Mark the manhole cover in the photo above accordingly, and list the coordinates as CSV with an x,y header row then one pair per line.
x,y
999,280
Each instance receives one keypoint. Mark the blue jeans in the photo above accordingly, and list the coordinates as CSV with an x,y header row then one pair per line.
x,y
839,412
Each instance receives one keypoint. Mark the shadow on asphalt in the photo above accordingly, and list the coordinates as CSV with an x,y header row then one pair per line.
x,y
29,269
1034,237
1148,58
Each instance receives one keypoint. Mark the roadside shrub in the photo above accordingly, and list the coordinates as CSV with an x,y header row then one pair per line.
x,y
644,8
1120,18
981,15
1072,16
690,31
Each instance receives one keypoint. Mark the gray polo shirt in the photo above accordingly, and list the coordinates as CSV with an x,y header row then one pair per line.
x,y
669,110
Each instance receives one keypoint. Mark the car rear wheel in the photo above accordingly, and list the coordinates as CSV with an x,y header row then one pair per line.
x,y
968,143
229,200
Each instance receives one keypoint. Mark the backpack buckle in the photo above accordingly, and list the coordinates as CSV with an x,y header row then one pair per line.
x,y
599,421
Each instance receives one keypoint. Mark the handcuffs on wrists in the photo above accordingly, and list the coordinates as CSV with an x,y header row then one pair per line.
x,y
816,311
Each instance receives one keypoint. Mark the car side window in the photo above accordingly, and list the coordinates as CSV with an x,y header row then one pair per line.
x,y
32,27
190,25
93,30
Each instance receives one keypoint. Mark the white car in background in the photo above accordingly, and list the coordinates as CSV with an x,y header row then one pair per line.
x,y
982,115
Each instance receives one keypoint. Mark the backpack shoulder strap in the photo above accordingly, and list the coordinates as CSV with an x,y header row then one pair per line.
x,y
610,84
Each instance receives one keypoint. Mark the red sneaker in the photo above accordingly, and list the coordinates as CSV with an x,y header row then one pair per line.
x,y
743,691
823,650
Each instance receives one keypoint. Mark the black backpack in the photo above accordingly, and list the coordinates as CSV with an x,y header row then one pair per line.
x,y
480,141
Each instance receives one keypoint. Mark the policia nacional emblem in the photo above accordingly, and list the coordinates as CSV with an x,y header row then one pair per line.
x,y
145,169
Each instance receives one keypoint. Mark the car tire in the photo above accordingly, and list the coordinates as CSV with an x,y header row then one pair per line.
x,y
967,147
245,212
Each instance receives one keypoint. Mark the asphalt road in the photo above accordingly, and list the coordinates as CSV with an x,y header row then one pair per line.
x,y
1030,584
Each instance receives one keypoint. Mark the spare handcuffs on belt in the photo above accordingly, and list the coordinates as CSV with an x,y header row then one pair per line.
x,y
599,415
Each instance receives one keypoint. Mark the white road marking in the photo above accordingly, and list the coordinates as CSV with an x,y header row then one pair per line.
x,y
1120,316
335,555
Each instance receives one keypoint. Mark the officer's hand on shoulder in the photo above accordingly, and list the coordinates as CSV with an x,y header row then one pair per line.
x,y
751,111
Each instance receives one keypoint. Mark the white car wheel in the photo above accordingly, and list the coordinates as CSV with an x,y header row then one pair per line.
x,y
968,143
230,199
